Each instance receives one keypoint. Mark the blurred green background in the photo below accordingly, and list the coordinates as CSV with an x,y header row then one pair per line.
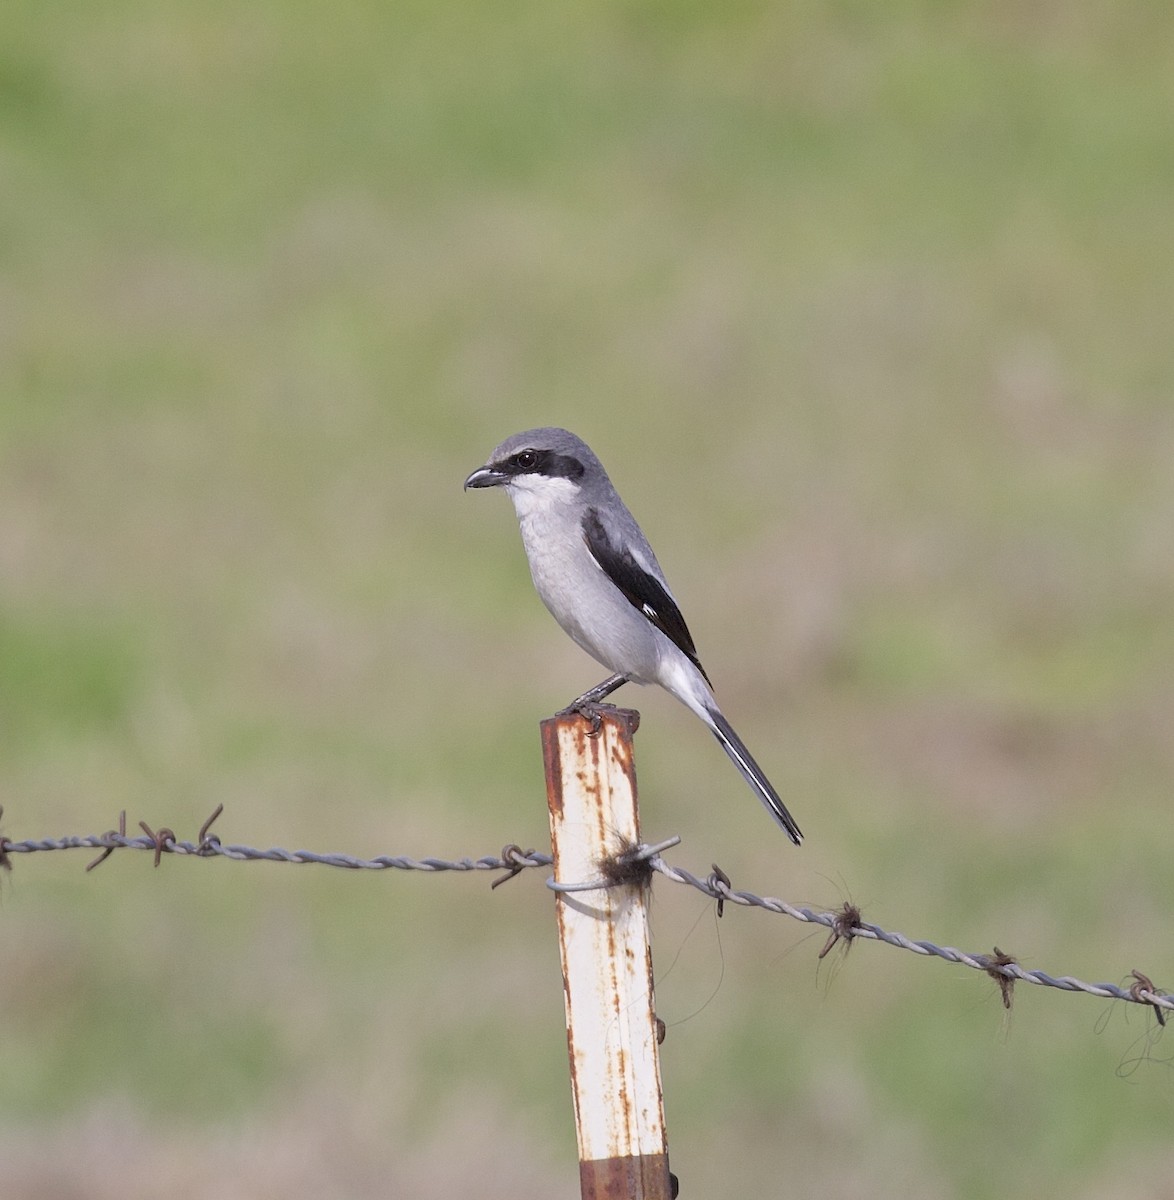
x,y
867,308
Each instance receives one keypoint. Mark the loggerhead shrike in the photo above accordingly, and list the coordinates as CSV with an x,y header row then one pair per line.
x,y
596,572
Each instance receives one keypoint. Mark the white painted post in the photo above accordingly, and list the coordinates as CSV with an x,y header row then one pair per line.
x,y
607,962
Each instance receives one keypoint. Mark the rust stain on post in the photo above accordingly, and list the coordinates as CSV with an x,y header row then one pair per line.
x,y
551,759
645,1175
607,962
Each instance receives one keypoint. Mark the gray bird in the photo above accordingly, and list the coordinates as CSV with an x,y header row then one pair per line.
x,y
595,571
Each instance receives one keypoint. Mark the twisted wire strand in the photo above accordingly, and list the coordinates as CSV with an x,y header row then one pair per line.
x,y
720,890
213,848
513,860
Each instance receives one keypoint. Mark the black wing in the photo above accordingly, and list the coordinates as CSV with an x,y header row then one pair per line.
x,y
640,589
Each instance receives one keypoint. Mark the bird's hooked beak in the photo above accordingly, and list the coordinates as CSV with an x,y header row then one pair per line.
x,y
484,477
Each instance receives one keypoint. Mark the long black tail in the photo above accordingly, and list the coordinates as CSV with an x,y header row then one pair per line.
x,y
731,743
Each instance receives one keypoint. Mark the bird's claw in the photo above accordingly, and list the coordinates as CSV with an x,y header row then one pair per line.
x,y
593,710
590,703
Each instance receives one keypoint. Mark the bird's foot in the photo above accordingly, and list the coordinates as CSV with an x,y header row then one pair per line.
x,y
590,703
593,710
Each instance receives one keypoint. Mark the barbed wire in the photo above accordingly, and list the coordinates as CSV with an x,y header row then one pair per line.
x,y
847,924
512,859
636,864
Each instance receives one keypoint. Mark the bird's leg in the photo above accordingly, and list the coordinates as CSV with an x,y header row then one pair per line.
x,y
598,693
590,703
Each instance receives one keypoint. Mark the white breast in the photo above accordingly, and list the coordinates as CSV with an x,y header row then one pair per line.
x,y
572,584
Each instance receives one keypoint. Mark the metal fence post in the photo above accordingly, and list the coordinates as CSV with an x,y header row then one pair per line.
x,y
607,962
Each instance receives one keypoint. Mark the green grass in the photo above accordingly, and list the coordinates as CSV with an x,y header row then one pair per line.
x,y
865,307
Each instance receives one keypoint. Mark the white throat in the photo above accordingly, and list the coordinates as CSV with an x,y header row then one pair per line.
x,y
549,511
538,496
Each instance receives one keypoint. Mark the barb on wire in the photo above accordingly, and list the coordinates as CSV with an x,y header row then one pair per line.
x,y
121,832
1142,988
717,881
994,968
629,867
517,861
848,918
209,842
163,839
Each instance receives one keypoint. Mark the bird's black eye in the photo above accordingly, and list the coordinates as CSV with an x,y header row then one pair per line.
x,y
524,460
